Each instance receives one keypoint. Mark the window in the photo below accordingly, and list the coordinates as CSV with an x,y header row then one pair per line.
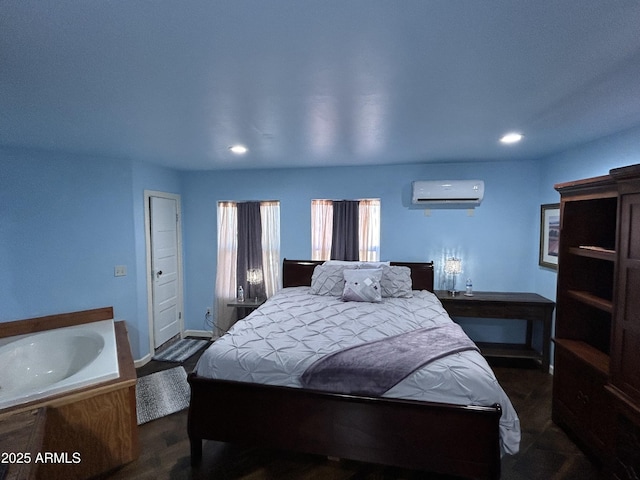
x,y
322,221
229,242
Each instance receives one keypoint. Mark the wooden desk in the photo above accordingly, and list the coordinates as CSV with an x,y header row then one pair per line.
x,y
509,306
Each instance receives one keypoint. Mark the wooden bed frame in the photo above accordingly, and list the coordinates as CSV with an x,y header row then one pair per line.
x,y
443,438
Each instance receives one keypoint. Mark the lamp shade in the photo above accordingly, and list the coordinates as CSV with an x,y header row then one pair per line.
x,y
452,266
254,276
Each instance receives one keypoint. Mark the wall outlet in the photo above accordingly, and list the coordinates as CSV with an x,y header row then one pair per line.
x,y
120,271
208,311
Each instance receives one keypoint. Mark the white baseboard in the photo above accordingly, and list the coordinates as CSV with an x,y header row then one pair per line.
x,y
143,361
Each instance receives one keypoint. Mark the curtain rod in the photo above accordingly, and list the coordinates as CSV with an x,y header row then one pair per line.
x,y
343,199
248,201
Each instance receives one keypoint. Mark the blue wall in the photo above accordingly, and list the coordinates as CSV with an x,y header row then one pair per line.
x,y
498,244
66,221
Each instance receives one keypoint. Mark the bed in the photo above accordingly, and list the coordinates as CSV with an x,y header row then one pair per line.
x,y
246,387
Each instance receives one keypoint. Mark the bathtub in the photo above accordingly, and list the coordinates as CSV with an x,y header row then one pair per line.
x,y
38,365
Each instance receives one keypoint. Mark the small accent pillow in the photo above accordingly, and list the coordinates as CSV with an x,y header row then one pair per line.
x,y
396,282
328,280
362,285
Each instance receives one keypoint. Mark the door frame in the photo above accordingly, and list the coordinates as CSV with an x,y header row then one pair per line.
x,y
149,274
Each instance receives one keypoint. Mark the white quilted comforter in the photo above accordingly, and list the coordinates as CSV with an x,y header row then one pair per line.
x,y
278,341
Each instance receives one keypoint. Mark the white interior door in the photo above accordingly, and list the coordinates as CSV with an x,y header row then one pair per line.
x,y
164,269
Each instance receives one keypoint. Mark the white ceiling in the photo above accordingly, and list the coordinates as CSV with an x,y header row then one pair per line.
x,y
315,82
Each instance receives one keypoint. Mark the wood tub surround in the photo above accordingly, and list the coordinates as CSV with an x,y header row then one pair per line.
x,y
98,423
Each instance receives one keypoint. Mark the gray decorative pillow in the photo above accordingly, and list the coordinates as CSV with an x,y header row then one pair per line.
x,y
396,282
328,280
362,285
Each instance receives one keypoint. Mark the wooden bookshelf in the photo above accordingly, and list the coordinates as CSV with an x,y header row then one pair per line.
x,y
596,385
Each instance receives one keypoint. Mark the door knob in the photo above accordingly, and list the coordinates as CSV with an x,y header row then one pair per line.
x,y
158,273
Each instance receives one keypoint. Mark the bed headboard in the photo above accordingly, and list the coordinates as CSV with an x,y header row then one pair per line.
x,y
297,273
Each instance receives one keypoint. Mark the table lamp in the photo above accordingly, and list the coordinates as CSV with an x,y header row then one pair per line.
x,y
254,277
453,267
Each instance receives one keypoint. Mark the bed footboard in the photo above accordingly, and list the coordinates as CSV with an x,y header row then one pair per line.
x,y
449,439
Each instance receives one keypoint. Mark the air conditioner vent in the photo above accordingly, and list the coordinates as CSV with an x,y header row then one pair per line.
x,y
465,193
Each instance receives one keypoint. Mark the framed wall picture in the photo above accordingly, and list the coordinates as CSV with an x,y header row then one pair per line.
x,y
549,235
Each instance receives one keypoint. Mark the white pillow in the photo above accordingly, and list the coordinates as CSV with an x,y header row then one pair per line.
x,y
362,285
373,264
356,263
349,263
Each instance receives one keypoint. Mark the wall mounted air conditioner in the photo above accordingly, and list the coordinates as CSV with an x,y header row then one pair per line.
x,y
448,193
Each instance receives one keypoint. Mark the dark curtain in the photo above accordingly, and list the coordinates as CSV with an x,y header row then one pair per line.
x,y
249,246
344,243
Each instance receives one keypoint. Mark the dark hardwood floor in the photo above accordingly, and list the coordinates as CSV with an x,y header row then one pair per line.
x,y
546,453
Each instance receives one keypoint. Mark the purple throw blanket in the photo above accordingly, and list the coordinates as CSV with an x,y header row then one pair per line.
x,y
374,367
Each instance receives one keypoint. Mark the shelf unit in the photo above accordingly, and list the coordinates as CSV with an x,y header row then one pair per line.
x,y
596,386
584,311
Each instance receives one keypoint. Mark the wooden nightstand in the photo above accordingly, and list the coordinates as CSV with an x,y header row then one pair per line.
x,y
508,306
246,307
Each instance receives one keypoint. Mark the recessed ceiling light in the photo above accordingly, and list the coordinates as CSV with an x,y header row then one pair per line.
x,y
511,137
238,149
